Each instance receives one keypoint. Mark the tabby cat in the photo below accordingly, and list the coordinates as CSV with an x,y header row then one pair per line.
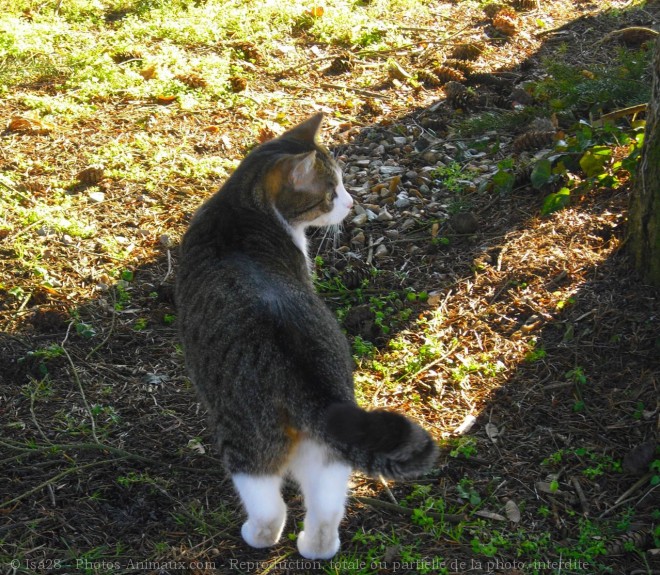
x,y
268,358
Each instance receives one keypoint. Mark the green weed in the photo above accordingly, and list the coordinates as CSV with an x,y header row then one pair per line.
x,y
593,464
535,353
140,324
620,83
451,177
363,348
466,491
42,356
464,446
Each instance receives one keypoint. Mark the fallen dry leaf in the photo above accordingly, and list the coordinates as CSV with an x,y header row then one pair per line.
x,y
512,511
29,125
394,184
226,142
315,11
268,131
165,100
492,432
196,446
507,22
148,73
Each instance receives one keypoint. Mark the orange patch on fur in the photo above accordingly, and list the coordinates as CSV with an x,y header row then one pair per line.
x,y
292,433
274,181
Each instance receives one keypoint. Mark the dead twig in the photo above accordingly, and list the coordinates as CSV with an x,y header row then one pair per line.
x,y
76,378
359,91
387,489
629,111
113,319
378,504
636,34
121,454
623,498
581,496
55,479
435,362
16,191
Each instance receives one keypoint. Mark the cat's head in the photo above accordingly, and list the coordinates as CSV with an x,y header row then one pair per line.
x,y
305,184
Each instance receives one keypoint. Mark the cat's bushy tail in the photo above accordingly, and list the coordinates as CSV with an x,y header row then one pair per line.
x,y
379,442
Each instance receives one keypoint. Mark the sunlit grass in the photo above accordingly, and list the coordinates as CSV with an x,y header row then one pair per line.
x,y
93,51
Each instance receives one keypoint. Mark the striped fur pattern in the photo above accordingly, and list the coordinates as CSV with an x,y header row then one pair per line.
x,y
267,357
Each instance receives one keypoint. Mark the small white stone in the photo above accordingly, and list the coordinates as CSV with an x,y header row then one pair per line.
x,y
391,170
392,234
402,201
381,251
358,238
385,216
371,216
360,219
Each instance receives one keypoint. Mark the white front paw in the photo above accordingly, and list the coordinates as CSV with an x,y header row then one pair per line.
x,y
320,545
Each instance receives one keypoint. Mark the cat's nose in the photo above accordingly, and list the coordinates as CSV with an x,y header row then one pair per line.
x,y
349,203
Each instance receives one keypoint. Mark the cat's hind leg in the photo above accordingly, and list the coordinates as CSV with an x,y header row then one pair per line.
x,y
323,481
262,498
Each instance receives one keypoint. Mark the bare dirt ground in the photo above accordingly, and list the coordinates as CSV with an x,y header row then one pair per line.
x,y
106,461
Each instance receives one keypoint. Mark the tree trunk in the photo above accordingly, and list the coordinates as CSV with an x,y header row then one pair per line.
x,y
644,217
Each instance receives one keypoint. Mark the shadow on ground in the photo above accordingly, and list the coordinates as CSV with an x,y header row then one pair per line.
x,y
105,451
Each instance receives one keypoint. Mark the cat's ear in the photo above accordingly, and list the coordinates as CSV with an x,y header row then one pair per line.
x,y
298,170
308,130
302,173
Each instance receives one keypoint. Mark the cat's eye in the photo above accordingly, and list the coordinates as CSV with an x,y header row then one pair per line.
x,y
330,195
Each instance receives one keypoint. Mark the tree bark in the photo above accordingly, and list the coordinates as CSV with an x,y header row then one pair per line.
x,y
644,216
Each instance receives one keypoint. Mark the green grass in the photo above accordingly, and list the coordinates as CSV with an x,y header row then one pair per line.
x,y
621,82
94,51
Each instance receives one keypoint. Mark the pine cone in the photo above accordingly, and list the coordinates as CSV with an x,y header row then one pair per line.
x,y
352,277
237,83
533,141
339,65
492,8
372,106
462,65
192,80
126,56
453,89
435,124
428,78
523,174
458,96
487,79
91,175
468,51
637,539
524,4
248,51
446,74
